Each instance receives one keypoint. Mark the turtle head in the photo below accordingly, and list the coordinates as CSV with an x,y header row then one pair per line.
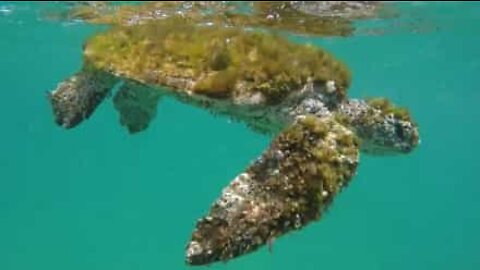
x,y
383,128
390,136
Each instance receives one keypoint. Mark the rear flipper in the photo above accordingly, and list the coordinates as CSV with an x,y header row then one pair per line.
x,y
137,105
76,98
290,185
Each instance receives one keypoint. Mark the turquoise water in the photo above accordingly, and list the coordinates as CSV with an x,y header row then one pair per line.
x,y
95,197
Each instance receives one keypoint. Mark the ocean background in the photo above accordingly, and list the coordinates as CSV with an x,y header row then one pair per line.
x,y
95,197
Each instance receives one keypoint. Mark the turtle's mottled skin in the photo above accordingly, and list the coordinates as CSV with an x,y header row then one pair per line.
x,y
318,132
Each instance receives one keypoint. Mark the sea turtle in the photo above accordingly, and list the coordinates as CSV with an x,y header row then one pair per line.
x,y
294,92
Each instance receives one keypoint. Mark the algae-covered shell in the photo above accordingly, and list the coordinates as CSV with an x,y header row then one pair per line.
x,y
216,61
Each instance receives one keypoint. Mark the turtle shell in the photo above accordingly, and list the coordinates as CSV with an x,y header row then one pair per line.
x,y
216,61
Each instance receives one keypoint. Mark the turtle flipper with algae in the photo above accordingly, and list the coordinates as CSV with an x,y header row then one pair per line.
x,y
297,93
290,185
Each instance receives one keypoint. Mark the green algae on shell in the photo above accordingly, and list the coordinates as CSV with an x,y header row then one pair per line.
x,y
220,61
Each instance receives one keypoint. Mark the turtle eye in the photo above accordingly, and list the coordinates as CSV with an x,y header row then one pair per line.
x,y
399,132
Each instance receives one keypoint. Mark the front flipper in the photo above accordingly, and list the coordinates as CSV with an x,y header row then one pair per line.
x,y
290,185
137,105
